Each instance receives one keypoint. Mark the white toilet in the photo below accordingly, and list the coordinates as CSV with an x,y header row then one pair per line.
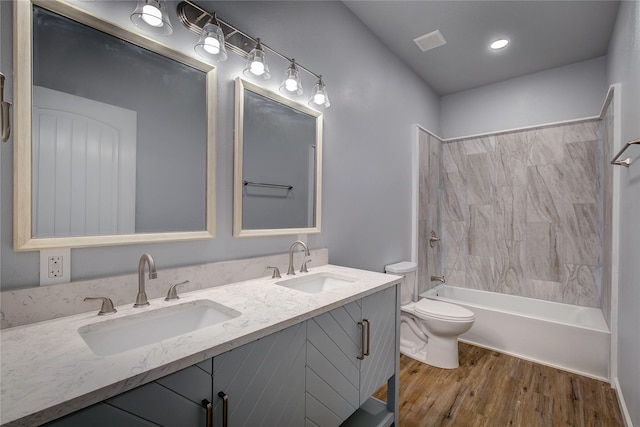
x,y
429,329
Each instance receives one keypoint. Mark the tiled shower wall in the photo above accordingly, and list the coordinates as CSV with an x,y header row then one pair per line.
x,y
521,212
429,259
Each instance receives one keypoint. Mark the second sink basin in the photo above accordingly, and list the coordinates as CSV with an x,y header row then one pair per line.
x,y
317,282
126,333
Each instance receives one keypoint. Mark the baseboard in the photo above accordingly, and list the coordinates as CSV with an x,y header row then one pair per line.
x,y
623,406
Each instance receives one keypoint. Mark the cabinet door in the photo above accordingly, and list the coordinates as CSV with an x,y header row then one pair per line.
x,y
338,382
263,381
333,368
379,310
100,415
174,400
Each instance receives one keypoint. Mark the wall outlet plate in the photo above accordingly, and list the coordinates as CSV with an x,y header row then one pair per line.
x,y
55,266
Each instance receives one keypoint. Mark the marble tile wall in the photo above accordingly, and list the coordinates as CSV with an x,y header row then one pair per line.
x,y
429,259
522,213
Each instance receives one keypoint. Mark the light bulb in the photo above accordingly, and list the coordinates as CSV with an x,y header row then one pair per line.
x,y
211,45
291,85
152,15
257,63
257,68
319,98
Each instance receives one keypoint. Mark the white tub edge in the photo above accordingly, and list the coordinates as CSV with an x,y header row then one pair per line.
x,y
538,361
570,347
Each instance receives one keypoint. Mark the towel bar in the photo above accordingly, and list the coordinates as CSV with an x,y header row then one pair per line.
x,y
626,162
264,184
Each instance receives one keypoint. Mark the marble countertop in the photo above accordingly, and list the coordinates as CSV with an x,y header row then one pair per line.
x,y
49,371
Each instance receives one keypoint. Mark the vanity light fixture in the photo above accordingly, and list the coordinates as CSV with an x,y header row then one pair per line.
x,y
291,84
257,62
152,17
319,97
499,44
197,20
211,43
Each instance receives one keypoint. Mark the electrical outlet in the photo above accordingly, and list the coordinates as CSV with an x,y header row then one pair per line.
x,y
55,266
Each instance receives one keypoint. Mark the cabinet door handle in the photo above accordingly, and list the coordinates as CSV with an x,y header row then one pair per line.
x,y
209,406
225,408
366,353
362,338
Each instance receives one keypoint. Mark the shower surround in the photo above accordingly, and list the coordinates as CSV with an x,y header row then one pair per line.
x,y
520,212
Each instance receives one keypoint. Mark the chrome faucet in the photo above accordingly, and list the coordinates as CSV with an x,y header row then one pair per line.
x,y
291,270
438,279
141,299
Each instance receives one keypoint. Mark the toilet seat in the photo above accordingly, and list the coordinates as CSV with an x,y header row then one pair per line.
x,y
443,310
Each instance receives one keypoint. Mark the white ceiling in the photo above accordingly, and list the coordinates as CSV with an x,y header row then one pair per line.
x,y
543,35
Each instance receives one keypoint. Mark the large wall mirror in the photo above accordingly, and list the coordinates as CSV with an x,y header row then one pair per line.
x,y
114,135
278,164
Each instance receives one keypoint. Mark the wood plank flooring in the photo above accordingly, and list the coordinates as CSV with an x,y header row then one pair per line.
x,y
492,389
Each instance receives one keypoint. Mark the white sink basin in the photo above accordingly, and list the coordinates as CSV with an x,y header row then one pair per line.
x,y
317,282
126,333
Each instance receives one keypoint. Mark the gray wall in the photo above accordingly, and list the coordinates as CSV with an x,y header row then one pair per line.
x,y
566,93
624,67
367,146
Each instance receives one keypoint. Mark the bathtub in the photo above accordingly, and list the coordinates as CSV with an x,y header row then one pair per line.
x,y
568,337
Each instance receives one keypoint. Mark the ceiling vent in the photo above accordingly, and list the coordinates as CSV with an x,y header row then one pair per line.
x,y
430,41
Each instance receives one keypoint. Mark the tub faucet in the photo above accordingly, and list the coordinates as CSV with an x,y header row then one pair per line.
x,y
291,270
438,279
141,299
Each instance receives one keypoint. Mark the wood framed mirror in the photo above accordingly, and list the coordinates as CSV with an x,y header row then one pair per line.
x,y
114,133
277,164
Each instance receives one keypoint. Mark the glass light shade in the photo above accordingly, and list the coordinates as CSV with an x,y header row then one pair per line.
x,y
152,17
291,84
257,63
211,43
319,97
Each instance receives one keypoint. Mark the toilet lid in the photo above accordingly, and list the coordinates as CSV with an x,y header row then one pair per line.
x,y
443,310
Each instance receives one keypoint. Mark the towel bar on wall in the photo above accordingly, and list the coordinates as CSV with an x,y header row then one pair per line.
x,y
626,162
264,184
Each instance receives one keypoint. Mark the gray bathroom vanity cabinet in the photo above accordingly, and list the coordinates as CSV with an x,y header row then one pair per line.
x,y
319,372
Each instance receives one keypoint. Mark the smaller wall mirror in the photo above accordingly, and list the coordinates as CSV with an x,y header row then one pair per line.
x,y
278,164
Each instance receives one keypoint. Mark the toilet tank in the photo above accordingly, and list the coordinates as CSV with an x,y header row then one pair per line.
x,y
408,285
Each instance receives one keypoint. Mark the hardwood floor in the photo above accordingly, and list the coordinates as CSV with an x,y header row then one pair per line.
x,y
492,389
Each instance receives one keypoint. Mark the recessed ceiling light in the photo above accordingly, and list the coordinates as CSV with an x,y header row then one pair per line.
x,y
499,44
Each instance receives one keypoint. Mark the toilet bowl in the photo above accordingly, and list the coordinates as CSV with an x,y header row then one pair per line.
x,y
429,329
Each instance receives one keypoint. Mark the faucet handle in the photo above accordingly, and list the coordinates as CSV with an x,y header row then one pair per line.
x,y
107,305
303,268
276,272
433,239
172,293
